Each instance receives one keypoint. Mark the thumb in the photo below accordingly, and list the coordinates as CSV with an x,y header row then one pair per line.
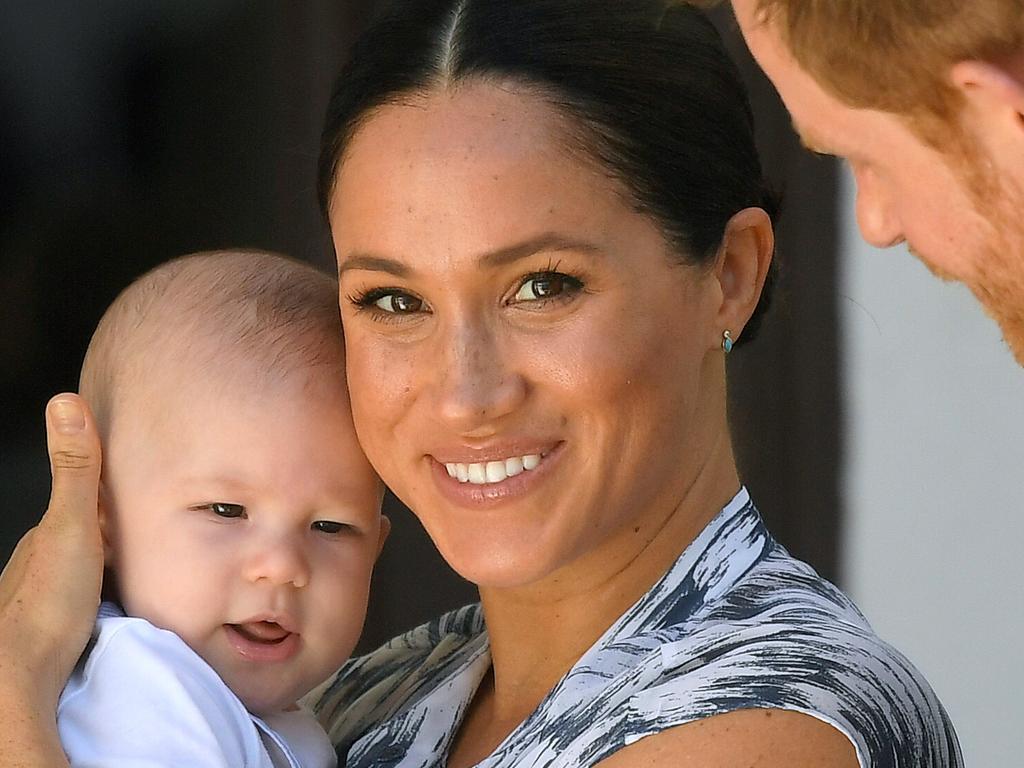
x,y
51,586
74,449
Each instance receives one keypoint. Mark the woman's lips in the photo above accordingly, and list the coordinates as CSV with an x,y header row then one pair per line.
x,y
496,480
262,641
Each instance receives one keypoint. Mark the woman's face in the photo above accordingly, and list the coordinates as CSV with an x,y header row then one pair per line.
x,y
511,320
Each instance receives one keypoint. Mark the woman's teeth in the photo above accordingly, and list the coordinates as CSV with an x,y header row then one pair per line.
x,y
482,473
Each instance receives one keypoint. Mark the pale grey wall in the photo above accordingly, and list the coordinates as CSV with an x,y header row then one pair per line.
x,y
933,543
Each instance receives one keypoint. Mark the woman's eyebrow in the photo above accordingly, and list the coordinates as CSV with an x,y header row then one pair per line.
x,y
373,263
548,241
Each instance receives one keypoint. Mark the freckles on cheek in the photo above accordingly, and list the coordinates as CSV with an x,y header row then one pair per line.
x,y
382,376
595,362
622,362
381,393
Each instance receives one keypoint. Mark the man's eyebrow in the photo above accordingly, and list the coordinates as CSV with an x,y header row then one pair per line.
x,y
809,141
548,241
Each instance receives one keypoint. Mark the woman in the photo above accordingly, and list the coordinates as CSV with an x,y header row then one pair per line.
x,y
551,228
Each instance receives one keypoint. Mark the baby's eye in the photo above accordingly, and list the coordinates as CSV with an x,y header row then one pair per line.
x,y
328,526
222,509
546,285
398,303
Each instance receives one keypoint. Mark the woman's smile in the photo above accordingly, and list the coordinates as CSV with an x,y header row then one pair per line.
x,y
487,473
528,362
494,481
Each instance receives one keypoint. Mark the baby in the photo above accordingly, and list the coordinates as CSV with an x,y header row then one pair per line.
x,y
240,518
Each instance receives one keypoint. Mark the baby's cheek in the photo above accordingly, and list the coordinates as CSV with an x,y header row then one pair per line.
x,y
342,610
164,594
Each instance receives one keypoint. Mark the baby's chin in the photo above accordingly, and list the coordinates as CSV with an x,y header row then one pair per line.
x,y
267,691
258,703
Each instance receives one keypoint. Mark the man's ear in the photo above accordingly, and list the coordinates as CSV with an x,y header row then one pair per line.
x,y
742,267
994,91
385,531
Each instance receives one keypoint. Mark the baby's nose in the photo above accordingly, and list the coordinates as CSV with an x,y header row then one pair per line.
x,y
278,562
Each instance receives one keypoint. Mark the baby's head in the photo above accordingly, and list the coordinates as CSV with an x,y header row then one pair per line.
x,y
238,509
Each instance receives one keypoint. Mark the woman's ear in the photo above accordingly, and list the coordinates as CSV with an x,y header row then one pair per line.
x,y
742,266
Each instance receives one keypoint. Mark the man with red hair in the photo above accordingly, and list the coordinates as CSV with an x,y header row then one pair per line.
x,y
925,99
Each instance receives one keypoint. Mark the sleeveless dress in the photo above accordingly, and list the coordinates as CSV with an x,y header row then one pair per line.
x,y
735,623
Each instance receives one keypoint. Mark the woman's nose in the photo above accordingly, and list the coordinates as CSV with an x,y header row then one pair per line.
x,y
278,561
478,381
878,221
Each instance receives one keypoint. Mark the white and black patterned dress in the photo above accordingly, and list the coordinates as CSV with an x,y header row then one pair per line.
x,y
735,623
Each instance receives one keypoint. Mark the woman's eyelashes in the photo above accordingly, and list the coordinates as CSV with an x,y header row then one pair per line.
x,y
387,304
542,288
399,303
538,289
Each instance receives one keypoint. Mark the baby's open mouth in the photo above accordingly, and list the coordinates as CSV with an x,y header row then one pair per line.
x,y
266,632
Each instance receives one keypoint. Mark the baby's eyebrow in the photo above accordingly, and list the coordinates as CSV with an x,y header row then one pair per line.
x,y
216,482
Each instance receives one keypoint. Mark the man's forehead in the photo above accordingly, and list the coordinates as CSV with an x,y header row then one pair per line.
x,y
807,102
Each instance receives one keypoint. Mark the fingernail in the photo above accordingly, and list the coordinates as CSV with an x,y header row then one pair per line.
x,y
68,418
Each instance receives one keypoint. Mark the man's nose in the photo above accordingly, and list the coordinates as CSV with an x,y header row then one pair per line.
x,y
876,215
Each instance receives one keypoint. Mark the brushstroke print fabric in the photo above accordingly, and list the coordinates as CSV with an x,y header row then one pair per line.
x,y
736,623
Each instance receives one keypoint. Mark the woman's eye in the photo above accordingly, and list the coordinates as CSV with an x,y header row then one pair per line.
x,y
398,303
328,526
549,285
222,509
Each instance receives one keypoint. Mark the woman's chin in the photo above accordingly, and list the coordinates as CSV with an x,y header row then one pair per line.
x,y
499,564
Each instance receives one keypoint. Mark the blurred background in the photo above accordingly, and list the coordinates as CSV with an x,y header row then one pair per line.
x,y
877,419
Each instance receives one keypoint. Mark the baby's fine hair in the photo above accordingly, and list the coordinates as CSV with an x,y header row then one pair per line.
x,y
249,313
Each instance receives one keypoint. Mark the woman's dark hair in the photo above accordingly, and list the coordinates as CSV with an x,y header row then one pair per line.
x,y
654,97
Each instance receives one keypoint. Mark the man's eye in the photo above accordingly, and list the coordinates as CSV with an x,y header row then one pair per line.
x,y
328,526
222,509
398,303
546,286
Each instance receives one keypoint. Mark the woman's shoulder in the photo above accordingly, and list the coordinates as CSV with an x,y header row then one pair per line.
x,y
784,638
372,688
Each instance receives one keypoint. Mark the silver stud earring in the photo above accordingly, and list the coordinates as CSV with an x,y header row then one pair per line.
x,y
727,341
